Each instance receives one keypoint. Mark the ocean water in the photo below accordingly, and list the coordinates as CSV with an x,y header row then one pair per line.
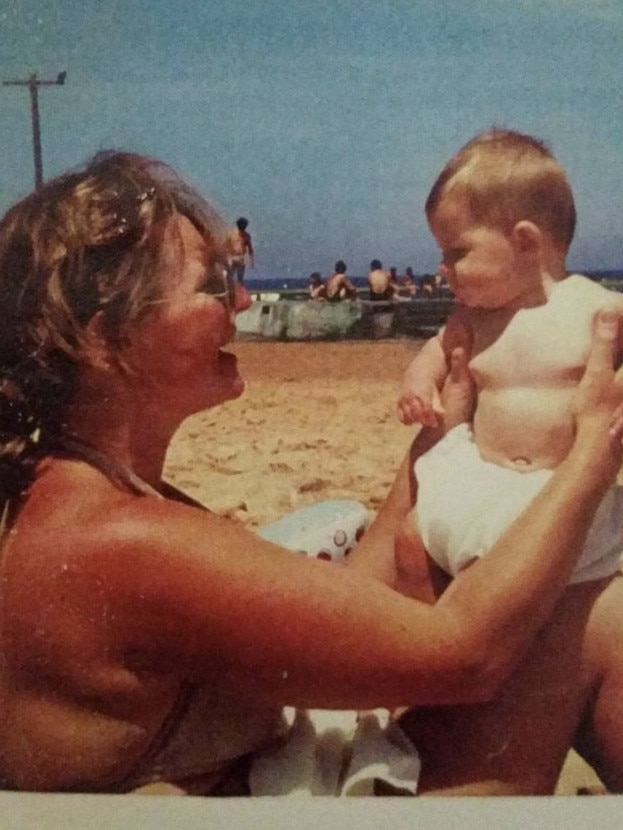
x,y
291,283
613,278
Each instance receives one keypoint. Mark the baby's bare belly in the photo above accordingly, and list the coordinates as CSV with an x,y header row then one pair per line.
x,y
525,428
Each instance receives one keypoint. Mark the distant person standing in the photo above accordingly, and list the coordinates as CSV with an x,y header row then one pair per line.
x,y
239,246
339,287
379,282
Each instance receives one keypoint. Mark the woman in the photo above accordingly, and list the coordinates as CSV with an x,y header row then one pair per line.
x,y
143,637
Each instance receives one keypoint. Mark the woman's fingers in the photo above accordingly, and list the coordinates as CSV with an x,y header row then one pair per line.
x,y
458,394
458,365
605,335
599,385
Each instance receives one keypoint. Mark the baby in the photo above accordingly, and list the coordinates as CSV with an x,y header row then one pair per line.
x,y
503,214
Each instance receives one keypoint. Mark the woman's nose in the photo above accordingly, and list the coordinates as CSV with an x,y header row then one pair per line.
x,y
242,299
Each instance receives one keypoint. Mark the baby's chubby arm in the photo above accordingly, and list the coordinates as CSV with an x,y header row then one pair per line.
x,y
419,400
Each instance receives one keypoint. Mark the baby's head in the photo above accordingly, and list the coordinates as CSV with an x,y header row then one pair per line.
x,y
506,177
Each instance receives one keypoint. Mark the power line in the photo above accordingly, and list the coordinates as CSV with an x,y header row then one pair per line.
x,y
33,83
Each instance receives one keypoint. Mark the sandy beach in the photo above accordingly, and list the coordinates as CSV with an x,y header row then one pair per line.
x,y
317,421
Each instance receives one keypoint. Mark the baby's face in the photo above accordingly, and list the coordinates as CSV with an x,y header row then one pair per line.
x,y
480,263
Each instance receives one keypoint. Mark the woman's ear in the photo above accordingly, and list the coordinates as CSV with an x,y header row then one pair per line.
x,y
527,237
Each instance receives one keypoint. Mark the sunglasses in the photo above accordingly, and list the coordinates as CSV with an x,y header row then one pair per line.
x,y
221,285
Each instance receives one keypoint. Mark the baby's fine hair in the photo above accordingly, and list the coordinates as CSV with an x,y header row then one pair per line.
x,y
507,177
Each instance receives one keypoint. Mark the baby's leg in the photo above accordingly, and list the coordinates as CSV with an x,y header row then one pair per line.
x,y
517,743
600,738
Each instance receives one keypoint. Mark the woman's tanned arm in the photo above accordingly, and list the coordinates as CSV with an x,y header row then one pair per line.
x,y
309,633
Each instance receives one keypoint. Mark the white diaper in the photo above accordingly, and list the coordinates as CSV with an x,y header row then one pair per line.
x,y
464,505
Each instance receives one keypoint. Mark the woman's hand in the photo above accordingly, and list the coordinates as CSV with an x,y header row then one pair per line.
x,y
458,395
598,405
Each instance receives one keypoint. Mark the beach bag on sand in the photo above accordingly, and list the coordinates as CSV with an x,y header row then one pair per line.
x,y
327,530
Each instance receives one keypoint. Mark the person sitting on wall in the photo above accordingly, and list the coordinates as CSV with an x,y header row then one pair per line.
x,y
317,288
339,287
379,282
408,286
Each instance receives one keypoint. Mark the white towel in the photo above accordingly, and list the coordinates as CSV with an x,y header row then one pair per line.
x,y
336,753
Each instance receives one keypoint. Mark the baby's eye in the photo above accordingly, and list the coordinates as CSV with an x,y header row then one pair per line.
x,y
454,255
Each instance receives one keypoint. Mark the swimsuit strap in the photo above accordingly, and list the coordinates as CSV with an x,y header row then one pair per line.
x,y
112,469
117,472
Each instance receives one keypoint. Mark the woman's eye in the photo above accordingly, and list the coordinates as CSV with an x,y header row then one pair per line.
x,y
212,284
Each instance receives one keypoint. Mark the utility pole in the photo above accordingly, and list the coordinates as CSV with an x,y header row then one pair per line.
x,y
33,83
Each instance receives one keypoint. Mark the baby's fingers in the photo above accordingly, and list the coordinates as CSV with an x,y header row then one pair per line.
x,y
414,410
406,413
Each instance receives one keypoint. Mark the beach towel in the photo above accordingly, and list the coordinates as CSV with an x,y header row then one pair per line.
x,y
326,530
326,752
336,754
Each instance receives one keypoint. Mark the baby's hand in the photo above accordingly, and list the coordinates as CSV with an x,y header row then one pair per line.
x,y
420,407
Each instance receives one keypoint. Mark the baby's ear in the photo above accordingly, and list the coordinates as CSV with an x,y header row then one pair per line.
x,y
527,237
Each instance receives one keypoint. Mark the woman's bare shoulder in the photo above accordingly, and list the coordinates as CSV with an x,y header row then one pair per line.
x,y
146,567
78,527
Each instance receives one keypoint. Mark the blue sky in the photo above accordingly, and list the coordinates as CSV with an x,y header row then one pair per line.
x,y
323,121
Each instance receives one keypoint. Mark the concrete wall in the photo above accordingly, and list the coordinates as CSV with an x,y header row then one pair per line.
x,y
349,319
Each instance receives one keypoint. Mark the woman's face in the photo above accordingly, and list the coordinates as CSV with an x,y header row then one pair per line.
x,y
177,350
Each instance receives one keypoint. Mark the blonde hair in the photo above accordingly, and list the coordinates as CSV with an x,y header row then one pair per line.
x,y
88,241
506,177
